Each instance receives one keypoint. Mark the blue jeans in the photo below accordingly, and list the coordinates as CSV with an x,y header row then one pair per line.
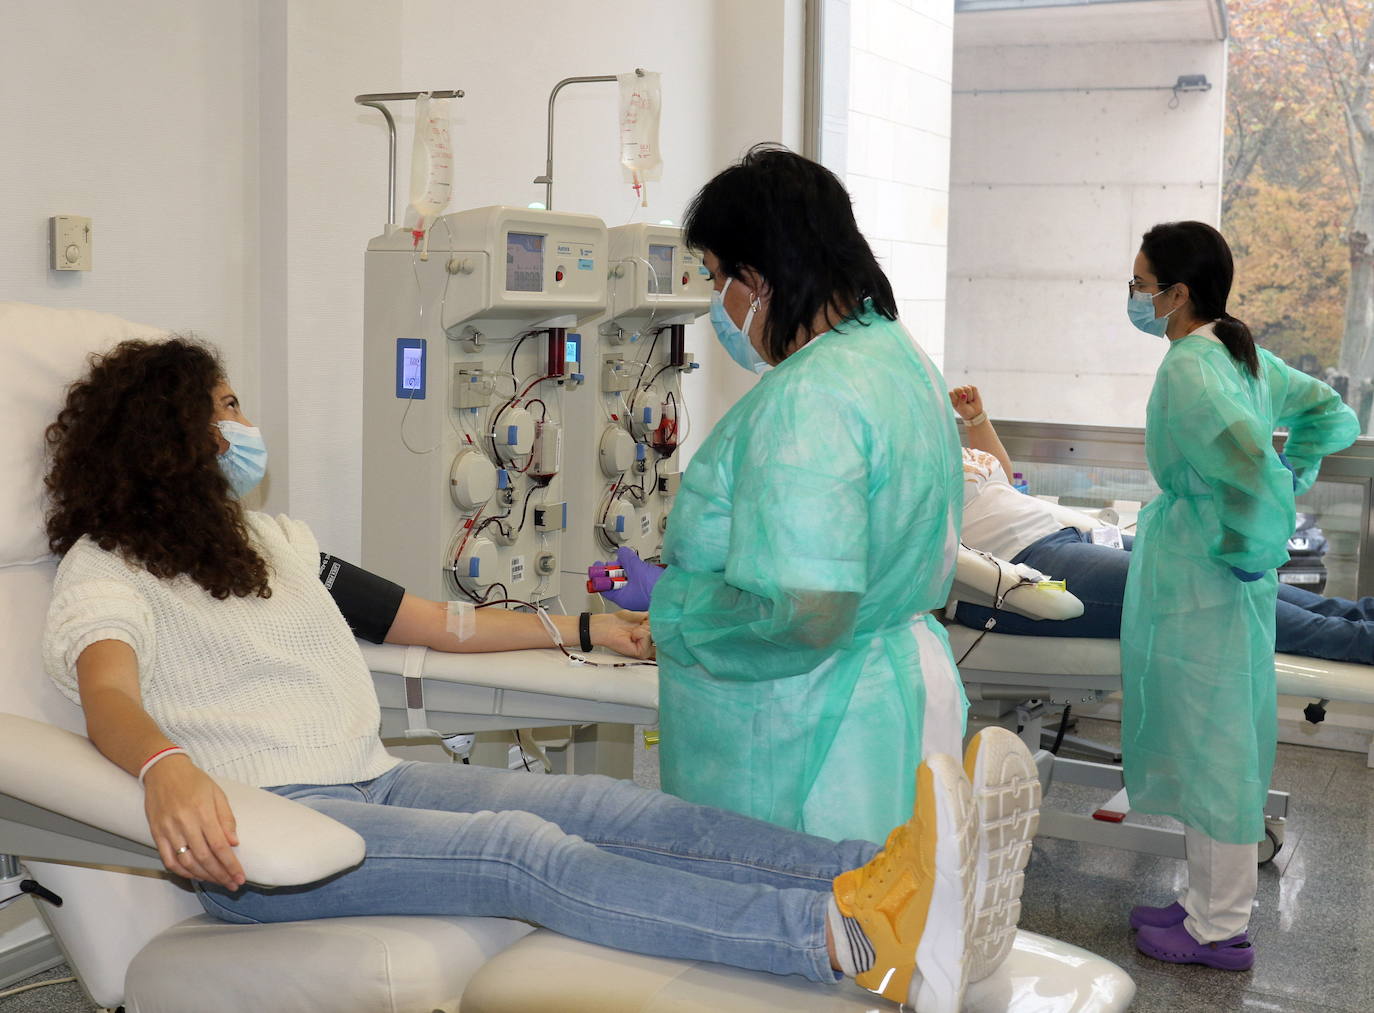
x,y
1320,627
1096,575
1306,623
591,857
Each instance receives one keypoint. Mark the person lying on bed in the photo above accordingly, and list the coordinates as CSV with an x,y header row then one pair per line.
x,y
1022,529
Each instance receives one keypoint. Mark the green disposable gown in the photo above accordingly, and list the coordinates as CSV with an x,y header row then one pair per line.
x,y
1199,713
815,528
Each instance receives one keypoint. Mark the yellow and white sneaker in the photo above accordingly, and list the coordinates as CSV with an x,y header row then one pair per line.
x,y
914,900
1006,793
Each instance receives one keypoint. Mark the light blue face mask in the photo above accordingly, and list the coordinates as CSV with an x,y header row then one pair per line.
x,y
735,340
245,462
1140,307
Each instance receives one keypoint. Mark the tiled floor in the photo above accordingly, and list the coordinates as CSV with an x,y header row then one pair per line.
x,y
1314,918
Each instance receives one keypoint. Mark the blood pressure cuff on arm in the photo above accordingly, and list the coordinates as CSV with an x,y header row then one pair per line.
x,y
369,603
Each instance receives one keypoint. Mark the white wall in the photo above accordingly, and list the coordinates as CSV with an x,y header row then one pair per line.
x,y
898,155
755,80
324,191
1050,195
730,77
234,184
147,125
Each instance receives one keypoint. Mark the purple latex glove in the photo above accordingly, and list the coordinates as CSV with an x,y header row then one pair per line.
x,y
640,580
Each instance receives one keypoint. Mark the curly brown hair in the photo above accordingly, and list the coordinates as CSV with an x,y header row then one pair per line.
x,y
132,464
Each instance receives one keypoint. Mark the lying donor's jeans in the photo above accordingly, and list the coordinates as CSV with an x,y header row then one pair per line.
x,y
1306,623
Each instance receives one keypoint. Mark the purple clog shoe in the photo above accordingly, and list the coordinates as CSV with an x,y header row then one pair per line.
x,y
1176,945
1160,917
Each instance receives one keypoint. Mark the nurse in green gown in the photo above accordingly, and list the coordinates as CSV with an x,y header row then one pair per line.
x,y
802,675
1198,723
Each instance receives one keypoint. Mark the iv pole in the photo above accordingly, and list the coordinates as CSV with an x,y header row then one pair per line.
x,y
547,178
375,101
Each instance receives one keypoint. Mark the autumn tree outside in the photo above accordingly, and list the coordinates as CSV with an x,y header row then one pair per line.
x,y
1298,193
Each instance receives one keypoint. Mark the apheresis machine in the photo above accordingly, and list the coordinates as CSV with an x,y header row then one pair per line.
x,y
523,404
626,435
471,351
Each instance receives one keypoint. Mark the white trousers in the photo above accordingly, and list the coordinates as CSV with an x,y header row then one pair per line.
x,y
942,728
1222,880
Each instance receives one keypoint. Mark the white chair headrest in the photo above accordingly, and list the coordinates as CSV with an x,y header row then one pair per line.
x,y
42,351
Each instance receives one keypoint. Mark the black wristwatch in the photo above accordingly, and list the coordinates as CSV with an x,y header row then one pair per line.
x,y
584,631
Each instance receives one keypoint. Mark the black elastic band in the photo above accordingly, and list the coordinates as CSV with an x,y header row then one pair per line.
x,y
584,631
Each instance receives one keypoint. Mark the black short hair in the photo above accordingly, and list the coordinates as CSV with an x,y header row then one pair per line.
x,y
791,220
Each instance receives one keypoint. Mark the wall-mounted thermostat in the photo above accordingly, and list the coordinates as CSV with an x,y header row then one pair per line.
x,y
69,241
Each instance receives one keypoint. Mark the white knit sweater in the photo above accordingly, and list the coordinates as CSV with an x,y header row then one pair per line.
x,y
267,691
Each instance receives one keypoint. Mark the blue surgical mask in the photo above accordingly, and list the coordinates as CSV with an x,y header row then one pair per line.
x,y
735,340
1140,307
245,462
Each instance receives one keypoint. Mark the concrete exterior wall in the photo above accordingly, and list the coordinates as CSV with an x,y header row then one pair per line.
x,y
1050,193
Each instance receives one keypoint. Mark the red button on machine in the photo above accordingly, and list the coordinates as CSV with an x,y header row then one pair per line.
x,y
558,275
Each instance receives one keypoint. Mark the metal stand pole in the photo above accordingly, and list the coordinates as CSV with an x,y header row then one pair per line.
x,y
375,101
547,178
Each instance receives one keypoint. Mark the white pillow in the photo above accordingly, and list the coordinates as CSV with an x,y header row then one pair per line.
x,y
42,350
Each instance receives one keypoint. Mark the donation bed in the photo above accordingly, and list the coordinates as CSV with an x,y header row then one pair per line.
x,y
1020,681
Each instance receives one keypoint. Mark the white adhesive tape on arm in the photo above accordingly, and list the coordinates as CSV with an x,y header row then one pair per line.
x,y
550,628
461,620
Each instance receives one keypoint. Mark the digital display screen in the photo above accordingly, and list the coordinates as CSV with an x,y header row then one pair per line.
x,y
524,262
412,368
573,348
661,258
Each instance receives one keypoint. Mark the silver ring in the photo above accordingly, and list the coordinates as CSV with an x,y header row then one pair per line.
x,y
182,850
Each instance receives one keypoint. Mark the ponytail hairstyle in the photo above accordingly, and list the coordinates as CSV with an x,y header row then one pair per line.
x,y
791,220
1196,255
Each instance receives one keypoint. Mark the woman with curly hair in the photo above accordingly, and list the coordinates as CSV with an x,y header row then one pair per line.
x,y
133,443
201,641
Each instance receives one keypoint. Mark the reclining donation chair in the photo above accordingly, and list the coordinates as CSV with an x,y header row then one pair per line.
x,y
137,939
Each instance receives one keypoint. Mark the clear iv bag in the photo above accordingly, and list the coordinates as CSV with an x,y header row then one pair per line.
x,y
431,161
640,103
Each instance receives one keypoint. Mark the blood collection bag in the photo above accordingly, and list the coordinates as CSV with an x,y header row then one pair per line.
x,y
640,103
431,161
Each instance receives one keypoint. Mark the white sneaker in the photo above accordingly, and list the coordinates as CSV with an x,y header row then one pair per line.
x,y
914,900
1006,793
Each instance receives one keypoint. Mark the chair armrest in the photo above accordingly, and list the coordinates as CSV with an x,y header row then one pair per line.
x,y
542,670
281,843
1080,519
979,577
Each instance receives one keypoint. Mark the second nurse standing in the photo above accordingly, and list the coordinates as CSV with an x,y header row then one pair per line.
x,y
1199,706
802,676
